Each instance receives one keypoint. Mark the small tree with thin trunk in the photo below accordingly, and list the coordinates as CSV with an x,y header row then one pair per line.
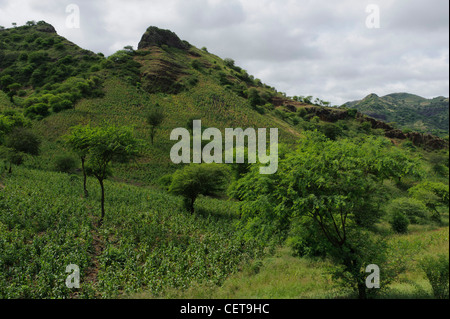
x,y
154,119
78,140
98,147
198,179
18,142
108,144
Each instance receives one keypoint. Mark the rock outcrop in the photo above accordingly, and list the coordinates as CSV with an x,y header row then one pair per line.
x,y
43,26
329,114
419,139
155,36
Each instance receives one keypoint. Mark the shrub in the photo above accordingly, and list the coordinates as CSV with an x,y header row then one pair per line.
x,y
437,271
399,222
332,131
229,62
366,127
37,109
352,113
198,179
196,64
413,209
62,105
23,140
65,163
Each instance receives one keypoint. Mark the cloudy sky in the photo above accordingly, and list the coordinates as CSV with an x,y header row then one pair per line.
x,y
335,50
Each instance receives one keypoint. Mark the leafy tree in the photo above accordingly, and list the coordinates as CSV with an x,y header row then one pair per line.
x,y
22,139
18,142
65,163
12,91
335,184
432,194
10,120
128,48
229,62
79,141
307,99
399,222
154,119
108,144
198,179
331,131
253,97
5,81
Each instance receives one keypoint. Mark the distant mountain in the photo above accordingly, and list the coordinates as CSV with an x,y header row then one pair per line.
x,y
409,111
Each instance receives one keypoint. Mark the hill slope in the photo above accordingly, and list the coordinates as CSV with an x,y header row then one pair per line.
x,y
149,242
409,111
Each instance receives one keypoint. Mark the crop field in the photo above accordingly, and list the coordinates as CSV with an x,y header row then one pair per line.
x,y
147,240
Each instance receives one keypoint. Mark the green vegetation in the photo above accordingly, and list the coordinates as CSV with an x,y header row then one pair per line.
x,y
344,195
195,180
409,111
437,272
101,146
154,119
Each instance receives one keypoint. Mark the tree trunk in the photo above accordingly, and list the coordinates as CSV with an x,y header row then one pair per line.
x,y
86,194
152,134
362,291
192,205
102,200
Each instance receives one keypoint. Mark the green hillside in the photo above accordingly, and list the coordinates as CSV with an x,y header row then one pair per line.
x,y
76,136
408,111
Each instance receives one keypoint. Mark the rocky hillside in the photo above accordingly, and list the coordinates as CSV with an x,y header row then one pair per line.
x,y
410,112
51,84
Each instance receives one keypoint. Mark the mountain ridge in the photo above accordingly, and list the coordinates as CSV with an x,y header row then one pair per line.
x,y
410,112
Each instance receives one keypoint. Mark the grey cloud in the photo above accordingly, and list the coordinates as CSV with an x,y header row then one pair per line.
x,y
417,15
211,14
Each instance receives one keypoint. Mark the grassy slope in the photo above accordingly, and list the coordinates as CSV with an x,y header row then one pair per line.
x,y
123,104
282,276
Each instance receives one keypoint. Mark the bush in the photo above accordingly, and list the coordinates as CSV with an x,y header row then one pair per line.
x,y
399,222
366,127
331,131
62,105
196,65
37,109
352,113
23,140
413,209
198,179
65,163
437,271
